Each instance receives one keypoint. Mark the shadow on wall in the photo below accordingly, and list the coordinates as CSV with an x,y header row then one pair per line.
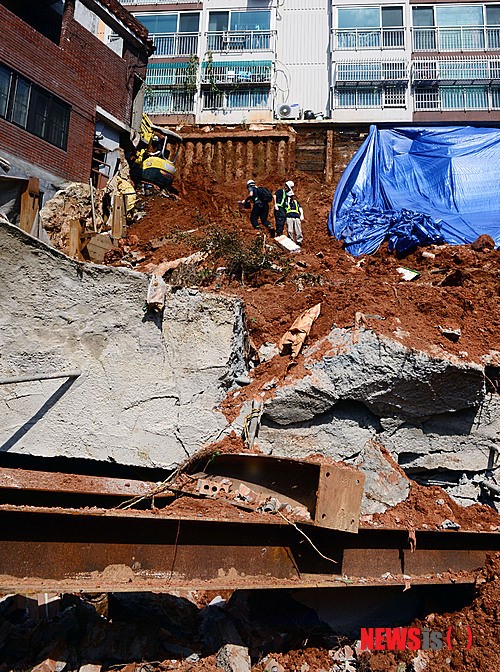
x,y
51,401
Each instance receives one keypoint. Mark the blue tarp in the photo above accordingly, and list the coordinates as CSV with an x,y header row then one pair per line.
x,y
414,186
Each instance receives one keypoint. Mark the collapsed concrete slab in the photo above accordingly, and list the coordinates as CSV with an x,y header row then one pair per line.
x,y
386,376
149,384
432,415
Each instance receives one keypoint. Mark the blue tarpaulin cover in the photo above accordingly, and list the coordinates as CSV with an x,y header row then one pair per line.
x,y
415,186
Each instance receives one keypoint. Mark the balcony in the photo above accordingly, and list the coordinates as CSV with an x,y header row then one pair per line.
x,y
456,70
257,98
450,98
175,44
240,40
242,72
171,74
369,38
457,38
366,72
159,2
169,101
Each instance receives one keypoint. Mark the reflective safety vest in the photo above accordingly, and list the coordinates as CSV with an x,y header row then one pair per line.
x,y
283,200
292,208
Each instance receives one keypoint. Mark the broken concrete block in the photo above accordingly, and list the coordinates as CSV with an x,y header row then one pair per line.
x,y
451,334
233,658
449,525
273,666
90,668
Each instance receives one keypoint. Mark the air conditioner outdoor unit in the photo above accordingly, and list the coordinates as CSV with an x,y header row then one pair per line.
x,y
289,111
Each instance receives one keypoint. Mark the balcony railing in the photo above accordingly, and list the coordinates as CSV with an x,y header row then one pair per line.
x,y
457,38
448,98
366,97
236,73
456,70
258,98
240,40
175,44
169,101
369,38
171,74
365,72
158,2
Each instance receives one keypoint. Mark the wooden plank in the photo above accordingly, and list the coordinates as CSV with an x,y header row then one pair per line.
x,y
98,245
75,231
118,217
329,157
340,491
30,192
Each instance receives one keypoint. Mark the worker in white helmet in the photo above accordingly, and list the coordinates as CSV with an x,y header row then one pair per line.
x,y
259,198
280,196
294,218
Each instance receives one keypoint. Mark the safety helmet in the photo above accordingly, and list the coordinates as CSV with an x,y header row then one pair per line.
x,y
290,185
251,183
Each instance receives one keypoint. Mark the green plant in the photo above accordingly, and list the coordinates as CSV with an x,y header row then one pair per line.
x,y
242,260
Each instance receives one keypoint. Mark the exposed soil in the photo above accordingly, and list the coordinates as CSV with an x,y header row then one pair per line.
x,y
458,287
427,507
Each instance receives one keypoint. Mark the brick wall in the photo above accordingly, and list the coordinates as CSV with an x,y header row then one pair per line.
x,y
83,72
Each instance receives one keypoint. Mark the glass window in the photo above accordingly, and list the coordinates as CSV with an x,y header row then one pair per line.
x,y
250,20
364,17
495,97
38,112
392,17
21,102
159,23
57,128
423,17
5,76
456,15
493,15
218,21
189,23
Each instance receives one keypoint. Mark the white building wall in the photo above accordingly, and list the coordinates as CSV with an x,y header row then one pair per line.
x,y
375,114
303,54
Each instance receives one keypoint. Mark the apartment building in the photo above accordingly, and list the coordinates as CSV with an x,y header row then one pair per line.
x,y
222,61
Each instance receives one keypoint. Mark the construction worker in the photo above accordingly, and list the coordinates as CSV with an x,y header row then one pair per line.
x,y
294,218
259,197
280,196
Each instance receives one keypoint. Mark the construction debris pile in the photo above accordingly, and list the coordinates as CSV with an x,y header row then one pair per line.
x,y
321,402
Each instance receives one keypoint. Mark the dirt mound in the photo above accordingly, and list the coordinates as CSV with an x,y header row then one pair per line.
x,y
457,287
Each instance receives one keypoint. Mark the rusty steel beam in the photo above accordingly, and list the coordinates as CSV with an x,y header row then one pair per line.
x,y
332,494
101,550
78,484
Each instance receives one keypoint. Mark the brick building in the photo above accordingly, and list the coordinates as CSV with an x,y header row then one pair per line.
x,y
71,86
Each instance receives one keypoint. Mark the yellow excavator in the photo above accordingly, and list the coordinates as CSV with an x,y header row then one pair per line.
x,y
158,160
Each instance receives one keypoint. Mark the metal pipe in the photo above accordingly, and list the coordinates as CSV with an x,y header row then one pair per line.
x,y
39,376
491,486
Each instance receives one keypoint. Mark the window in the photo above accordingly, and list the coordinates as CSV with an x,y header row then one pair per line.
x,y
453,15
38,111
218,21
5,76
359,97
251,98
239,31
250,20
423,17
20,102
370,27
161,24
